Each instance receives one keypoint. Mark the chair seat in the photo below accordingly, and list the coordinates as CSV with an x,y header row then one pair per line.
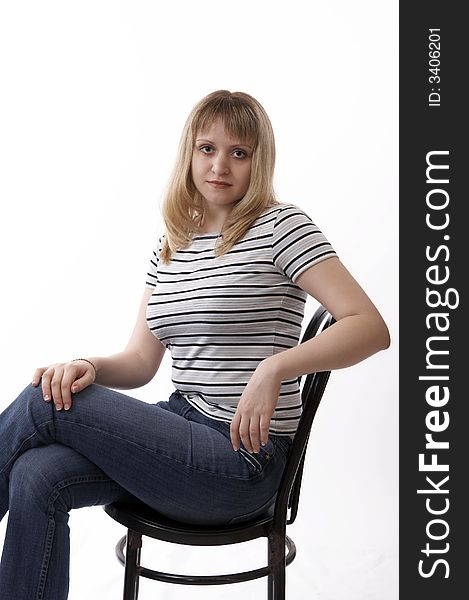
x,y
140,517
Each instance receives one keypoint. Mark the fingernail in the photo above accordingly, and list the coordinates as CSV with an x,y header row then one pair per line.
x,y
235,449
66,406
58,407
46,397
74,389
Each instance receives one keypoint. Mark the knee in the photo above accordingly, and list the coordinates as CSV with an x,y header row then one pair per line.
x,y
32,392
31,411
32,397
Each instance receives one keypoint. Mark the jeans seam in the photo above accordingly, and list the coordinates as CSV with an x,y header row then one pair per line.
x,y
251,459
51,523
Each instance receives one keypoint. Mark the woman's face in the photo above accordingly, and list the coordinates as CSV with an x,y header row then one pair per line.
x,y
221,168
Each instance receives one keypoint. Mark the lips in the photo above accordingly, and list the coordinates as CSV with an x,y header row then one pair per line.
x,y
219,184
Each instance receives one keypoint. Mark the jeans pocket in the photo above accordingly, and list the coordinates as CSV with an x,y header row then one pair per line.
x,y
257,461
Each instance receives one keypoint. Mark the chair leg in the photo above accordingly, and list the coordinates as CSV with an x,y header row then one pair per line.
x,y
279,583
270,577
276,557
132,564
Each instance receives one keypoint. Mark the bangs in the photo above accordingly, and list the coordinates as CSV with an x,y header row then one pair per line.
x,y
238,119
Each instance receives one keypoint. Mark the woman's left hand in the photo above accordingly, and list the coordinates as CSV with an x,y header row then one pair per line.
x,y
255,409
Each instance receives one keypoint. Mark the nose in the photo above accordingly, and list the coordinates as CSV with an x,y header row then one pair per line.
x,y
220,164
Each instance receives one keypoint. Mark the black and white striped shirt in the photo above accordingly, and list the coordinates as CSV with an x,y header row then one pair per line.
x,y
220,316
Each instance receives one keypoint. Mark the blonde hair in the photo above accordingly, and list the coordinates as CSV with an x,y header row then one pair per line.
x,y
183,205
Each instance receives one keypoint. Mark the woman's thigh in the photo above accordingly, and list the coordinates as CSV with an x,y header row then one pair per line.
x,y
185,469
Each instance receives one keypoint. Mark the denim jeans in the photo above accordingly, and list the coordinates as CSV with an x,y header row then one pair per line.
x,y
108,447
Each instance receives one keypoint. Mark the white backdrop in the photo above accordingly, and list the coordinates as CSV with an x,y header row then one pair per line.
x,y
94,97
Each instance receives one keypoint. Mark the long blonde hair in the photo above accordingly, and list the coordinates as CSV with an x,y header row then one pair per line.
x,y
183,205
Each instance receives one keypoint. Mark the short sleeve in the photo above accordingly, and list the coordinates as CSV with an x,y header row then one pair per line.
x,y
297,243
152,274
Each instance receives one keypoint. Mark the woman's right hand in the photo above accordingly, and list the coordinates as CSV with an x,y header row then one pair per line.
x,y
59,381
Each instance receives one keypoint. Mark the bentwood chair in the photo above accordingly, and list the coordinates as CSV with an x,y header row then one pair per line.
x,y
140,520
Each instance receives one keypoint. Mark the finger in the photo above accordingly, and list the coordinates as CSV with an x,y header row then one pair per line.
x,y
254,434
264,429
56,388
82,382
45,384
37,375
234,431
244,433
65,385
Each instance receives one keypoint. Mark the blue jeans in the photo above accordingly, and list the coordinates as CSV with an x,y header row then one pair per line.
x,y
110,447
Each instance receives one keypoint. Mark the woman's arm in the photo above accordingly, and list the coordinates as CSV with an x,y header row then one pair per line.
x,y
359,332
133,367
137,364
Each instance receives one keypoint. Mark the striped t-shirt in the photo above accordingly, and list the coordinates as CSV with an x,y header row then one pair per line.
x,y
221,316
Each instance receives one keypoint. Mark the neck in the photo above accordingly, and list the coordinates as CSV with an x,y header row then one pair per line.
x,y
214,218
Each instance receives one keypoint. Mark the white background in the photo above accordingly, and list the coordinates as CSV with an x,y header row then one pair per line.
x,y
94,97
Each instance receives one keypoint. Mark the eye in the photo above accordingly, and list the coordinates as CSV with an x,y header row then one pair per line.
x,y
239,153
206,148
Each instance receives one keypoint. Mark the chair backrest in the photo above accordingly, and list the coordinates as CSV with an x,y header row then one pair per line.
x,y
311,394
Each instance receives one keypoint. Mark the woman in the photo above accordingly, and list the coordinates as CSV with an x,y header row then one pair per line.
x,y
225,292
